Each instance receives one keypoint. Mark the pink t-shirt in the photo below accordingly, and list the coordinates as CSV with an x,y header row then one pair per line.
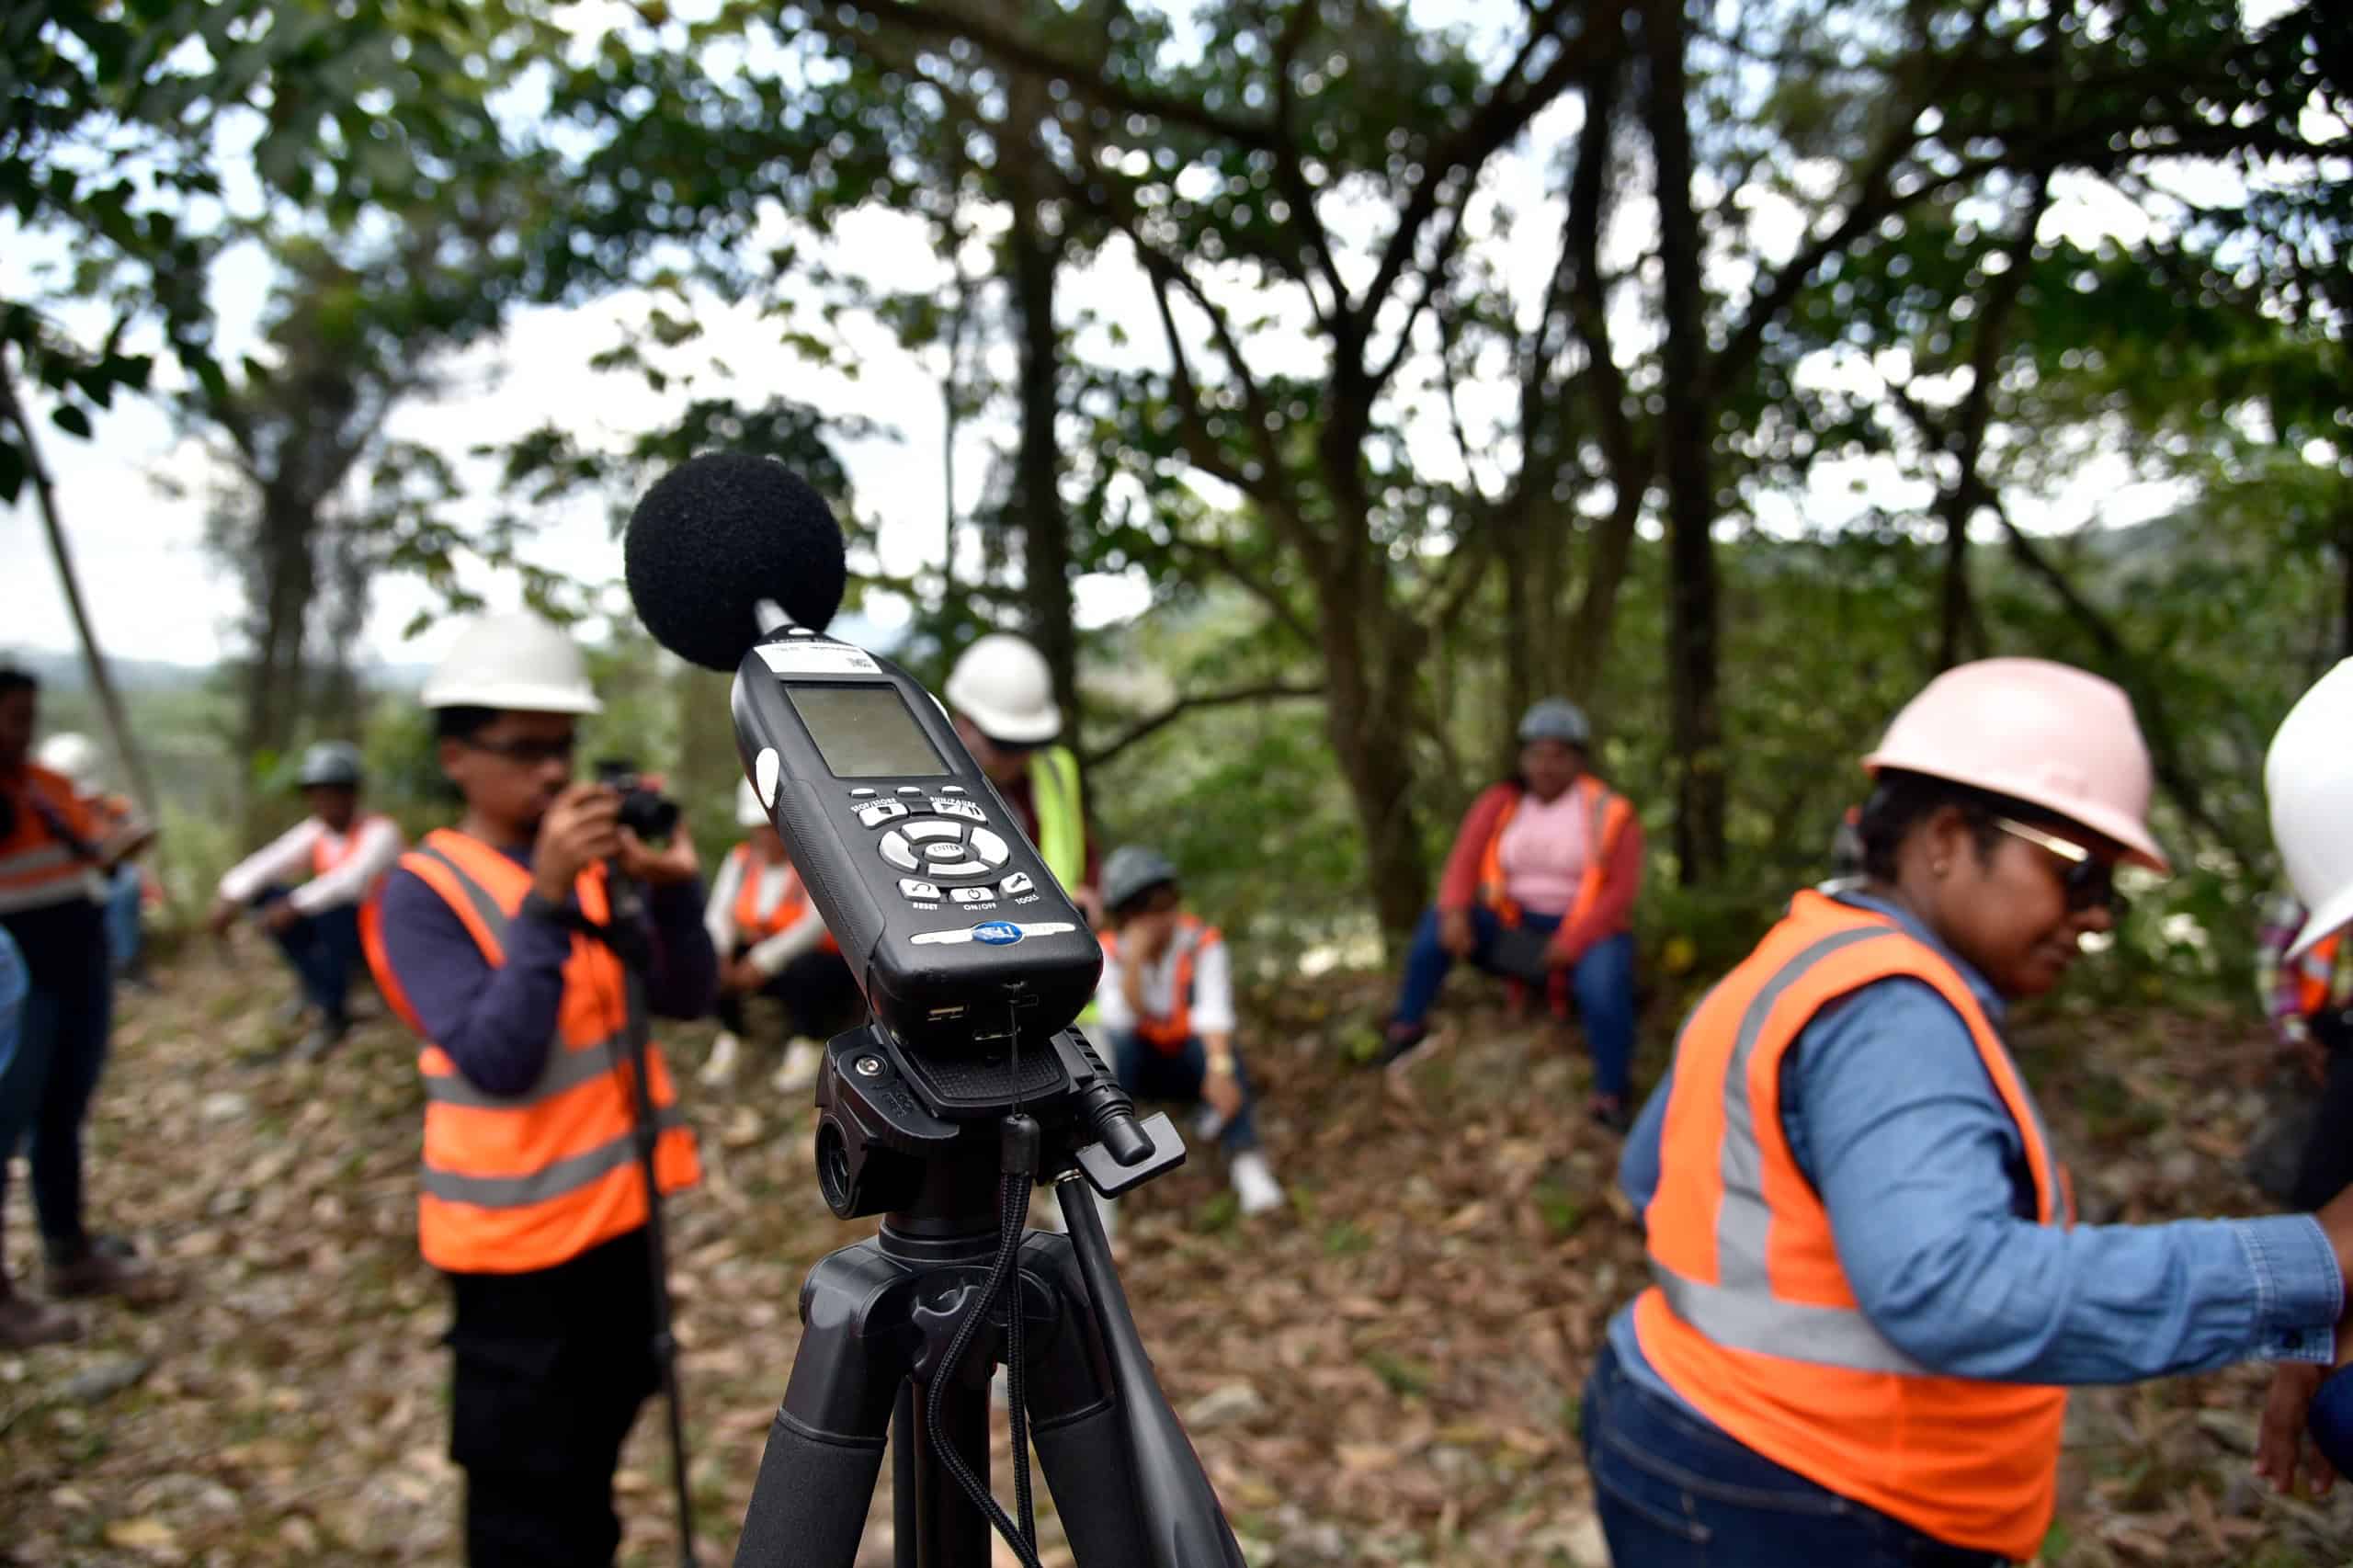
x,y
1545,850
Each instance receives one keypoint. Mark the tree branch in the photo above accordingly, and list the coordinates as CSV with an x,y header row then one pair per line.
x,y
1183,705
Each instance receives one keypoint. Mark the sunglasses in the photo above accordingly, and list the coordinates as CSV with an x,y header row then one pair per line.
x,y
2090,881
528,752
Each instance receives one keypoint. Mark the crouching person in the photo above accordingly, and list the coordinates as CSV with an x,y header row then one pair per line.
x,y
772,942
1167,1004
534,1203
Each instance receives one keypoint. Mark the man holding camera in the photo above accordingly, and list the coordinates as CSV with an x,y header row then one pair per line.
x,y
1001,697
316,924
487,941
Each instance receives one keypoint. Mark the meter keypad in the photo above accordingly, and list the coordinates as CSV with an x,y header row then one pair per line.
x,y
942,838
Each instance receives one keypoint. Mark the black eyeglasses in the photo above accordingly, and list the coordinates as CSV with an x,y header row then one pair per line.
x,y
2090,881
528,752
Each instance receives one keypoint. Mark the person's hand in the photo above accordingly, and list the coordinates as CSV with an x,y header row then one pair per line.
x,y
2282,1445
1455,933
277,915
125,842
221,916
1223,1089
2336,1218
674,862
581,828
740,974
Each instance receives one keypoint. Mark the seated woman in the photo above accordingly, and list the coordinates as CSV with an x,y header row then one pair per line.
x,y
1540,887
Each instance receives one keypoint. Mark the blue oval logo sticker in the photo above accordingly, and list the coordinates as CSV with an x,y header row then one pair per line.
x,y
996,933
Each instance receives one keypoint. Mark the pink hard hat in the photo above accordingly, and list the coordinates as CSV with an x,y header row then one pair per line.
x,y
2049,734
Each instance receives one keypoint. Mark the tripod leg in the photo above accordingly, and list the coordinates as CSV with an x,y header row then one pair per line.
x,y
949,1532
816,1479
1082,1442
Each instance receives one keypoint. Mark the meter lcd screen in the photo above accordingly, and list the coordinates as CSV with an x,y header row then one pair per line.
x,y
865,731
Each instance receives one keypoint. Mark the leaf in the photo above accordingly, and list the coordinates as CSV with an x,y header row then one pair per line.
x,y
144,1534
69,418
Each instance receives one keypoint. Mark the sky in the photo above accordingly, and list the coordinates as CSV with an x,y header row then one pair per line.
x,y
155,593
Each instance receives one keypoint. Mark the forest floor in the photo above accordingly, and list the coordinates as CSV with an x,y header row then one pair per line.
x,y
1387,1373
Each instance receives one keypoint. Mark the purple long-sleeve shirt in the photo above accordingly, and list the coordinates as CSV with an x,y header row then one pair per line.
x,y
497,1024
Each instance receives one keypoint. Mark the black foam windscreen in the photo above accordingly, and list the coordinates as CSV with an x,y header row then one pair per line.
x,y
714,536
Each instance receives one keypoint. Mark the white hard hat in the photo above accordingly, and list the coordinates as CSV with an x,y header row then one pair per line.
x,y
515,662
75,757
2309,776
749,813
1003,686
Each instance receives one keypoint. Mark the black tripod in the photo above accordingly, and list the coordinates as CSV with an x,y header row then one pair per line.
x,y
902,1331
625,936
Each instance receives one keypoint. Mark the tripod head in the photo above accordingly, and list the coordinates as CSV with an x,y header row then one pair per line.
x,y
905,1132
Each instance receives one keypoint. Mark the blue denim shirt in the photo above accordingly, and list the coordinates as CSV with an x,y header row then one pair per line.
x,y
1893,1118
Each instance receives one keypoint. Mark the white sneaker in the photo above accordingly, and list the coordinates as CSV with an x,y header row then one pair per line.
x,y
1253,1183
799,1074
720,1070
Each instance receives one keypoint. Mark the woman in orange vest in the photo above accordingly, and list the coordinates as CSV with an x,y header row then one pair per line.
x,y
2309,998
1868,1292
533,1200
1540,888
772,942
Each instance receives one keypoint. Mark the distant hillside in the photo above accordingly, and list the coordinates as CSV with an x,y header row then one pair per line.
x,y
64,673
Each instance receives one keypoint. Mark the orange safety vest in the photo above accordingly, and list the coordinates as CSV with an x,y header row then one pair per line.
x,y
38,869
754,924
1751,1318
332,849
1610,814
523,1181
2316,974
1193,938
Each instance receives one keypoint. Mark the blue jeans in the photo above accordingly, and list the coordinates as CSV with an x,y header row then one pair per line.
x,y
47,1080
123,934
323,949
1148,1073
1602,981
15,985
1675,1492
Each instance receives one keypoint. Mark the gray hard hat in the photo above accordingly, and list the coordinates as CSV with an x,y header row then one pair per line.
x,y
329,761
1133,869
1554,719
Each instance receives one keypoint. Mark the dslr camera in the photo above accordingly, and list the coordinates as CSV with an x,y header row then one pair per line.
x,y
648,814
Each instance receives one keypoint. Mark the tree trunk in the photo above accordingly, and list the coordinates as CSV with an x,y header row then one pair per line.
x,y
118,724
2345,549
1366,715
1695,720
1953,622
275,682
1037,502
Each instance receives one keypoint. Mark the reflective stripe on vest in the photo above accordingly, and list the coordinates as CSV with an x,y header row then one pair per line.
x,y
520,1182
1062,817
1192,936
1609,813
38,869
791,905
752,922
2316,976
1752,1318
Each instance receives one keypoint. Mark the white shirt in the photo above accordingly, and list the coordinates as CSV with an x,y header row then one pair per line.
x,y
374,845
778,882
1213,990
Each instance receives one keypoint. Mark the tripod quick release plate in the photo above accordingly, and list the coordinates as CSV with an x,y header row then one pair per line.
x,y
893,1120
